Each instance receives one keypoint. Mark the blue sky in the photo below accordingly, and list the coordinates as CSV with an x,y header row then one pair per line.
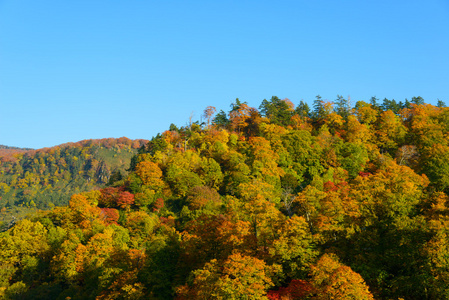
x,y
74,70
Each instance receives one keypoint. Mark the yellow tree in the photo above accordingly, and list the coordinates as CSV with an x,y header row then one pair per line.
x,y
264,161
260,213
182,172
150,174
390,132
238,277
390,226
436,249
365,113
23,249
292,246
389,195
428,124
333,280
357,132
328,207
67,262
87,216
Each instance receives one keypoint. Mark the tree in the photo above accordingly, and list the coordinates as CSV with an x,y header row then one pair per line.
x,y
428,125
210,172
83,212
417,100
352,157
182,172
157,143
278,111
366,113
391,132
212,236
374,103
125,200
237,105
407,155
333,280
65,264
303,109
292,246
201,196
304,152
150,174
108,197
110,215
221,120
441,103
391,193
297,289
435,162
239,114
318,108
238,277
390,226
436,250
390,105
173,127
115,177
358,133
209,113
264,161
343,106
236,171
141,226
23,240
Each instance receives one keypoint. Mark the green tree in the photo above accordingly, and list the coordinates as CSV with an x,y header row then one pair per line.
x,y
278,111
221,120
303,109
343,107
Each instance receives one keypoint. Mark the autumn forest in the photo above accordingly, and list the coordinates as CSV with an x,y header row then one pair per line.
x,y
336,200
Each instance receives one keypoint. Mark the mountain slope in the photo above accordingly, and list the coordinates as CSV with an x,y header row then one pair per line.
x,y
337,203
47,177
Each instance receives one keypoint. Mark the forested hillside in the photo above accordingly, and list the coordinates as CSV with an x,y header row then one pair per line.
x,y
337,201
45,178
8,150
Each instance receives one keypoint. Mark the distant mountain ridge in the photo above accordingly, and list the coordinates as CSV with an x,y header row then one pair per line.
x,y
8,150
16,148
43,178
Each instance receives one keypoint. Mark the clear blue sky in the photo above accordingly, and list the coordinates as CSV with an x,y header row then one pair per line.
x,y
74,70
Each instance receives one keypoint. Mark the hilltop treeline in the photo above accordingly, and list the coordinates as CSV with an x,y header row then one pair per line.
x,y
8,151
280,202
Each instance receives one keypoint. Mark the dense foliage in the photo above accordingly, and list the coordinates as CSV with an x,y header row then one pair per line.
x,y
44,178
280,202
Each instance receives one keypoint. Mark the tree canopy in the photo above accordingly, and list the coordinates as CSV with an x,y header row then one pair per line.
x,y
280,202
